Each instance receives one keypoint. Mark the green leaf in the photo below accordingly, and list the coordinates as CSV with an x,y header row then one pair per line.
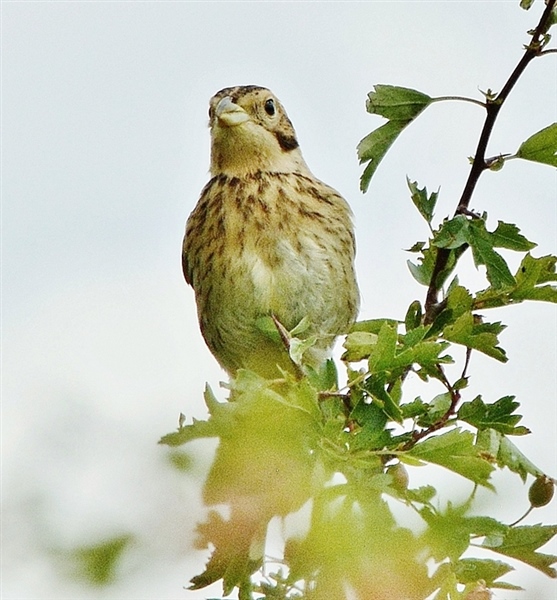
x,y
373,325
453,233
470,570
531,274
374,147
98,563
498,416
358,345
188,433
449,531
471,332
423,271
541,147
376,386
231,559
401,106
396,103
422,495
482,243
522,542
413,316
507,235
501,449
424,203
372,420
526,4
455,450
383,353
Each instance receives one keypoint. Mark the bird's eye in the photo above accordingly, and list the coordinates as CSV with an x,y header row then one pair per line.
x,y
270,107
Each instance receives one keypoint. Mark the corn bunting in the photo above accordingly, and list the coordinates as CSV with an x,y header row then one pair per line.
x,y
266,239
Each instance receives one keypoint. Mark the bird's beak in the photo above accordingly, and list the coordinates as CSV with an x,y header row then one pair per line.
x,y
230,114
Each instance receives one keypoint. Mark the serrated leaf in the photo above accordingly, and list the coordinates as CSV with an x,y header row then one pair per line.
x,y
401,106
455,450
372,420
499,415
449,531
529,276
473,333
372,325
533,272
453,233
424,203
376,386
481,242
383,353
358,345
374,147
423,494
396,103
541,147
507,235
469,570
522,542
506,454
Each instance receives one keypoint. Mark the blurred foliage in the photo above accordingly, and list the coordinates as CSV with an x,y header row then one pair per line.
x,y
98,563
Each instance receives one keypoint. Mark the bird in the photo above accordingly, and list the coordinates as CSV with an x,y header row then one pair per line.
x,y
266,240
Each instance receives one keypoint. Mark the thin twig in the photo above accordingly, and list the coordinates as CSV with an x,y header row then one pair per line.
x,y
493,106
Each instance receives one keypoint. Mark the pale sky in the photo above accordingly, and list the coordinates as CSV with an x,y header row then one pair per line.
x,y
105,150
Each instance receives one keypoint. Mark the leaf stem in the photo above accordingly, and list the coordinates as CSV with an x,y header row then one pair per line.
x,y
461,98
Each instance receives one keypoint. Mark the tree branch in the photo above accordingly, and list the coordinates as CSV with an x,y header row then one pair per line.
x,y
479,165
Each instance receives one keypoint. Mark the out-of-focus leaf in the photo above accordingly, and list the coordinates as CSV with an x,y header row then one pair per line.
x,y
455,450
98,563
541,147
522,542
469,570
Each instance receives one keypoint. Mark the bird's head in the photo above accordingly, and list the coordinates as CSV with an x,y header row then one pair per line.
x,y
251,132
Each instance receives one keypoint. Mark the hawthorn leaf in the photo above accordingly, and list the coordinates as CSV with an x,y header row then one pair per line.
x,y
455,450
397,103
424,203
541,147
498,416
453,233
507,235
469,570
473,333
505,453
374,146
522,542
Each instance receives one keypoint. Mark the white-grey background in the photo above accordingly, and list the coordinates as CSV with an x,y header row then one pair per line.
x,y
105,150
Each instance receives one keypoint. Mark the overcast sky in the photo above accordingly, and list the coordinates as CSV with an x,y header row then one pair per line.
x,y
105,150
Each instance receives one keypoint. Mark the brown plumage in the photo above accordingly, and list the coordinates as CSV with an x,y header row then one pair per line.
x,y
266,239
